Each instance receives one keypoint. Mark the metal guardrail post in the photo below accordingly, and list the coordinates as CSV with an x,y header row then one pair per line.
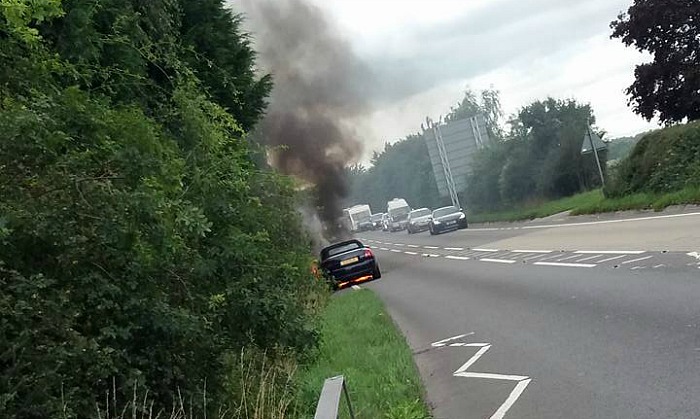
x,y
329,400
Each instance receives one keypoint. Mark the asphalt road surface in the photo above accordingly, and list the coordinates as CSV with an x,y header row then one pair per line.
x,y
571,319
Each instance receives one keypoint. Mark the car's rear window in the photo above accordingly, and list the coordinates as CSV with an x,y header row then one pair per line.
x,y
420,213
336,250
444,211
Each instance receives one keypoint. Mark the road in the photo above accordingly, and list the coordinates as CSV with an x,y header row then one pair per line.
x,y
587,319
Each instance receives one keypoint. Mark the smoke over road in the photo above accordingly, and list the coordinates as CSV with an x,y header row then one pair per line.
x,y
319,90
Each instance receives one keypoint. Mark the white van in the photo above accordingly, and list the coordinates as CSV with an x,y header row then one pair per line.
x,y
398,210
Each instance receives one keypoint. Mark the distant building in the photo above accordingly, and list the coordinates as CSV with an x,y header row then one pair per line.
x,y
451,147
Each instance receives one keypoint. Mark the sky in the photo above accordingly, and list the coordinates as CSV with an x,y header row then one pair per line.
x,y
423,54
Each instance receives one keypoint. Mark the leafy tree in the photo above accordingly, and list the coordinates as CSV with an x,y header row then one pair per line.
x,y
489,106
139,242
669,86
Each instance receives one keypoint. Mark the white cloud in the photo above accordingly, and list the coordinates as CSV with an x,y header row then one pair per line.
x,y
424,53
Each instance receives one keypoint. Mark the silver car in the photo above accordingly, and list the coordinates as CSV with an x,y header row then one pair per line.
x,y
419,220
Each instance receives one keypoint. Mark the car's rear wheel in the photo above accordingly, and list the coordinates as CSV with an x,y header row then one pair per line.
x,y
377,273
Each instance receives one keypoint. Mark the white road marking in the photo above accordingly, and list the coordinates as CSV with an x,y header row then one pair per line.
x,y
399,244
628,220
383,248
458,249
536,257
442,342
531,251
413,246
356,287
456,257
430,247
567,258
636,260
523,381
566,265
510,401
486,250
395,251
612,258
411,253
695,255
491,376
611,252
588,258
661,265
472,360
638,267
497,260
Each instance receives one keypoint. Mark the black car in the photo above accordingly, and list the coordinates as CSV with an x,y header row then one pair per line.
x,y
349,262
447,219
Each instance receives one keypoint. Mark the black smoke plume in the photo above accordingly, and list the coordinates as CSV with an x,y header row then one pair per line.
x,y
318,91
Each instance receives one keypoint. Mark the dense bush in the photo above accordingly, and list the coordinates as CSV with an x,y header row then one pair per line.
x,y
662,161
140,246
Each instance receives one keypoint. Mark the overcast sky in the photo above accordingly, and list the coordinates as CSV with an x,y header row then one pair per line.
x,y
424,53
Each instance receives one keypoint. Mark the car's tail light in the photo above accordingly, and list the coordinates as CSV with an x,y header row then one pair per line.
x,y
368,254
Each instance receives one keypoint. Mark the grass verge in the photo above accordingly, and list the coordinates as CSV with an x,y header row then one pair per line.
x,y
594,202
540,210
361,342
643,200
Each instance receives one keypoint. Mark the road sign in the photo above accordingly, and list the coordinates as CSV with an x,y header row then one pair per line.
x,y
589,138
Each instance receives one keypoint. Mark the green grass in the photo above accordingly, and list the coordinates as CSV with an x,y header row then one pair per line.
x,y
594,202
540,210
361,342
644,200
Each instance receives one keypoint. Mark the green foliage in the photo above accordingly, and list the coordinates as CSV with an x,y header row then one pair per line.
x,y
540,159
669,30
384,382
662,161
139,243
19,16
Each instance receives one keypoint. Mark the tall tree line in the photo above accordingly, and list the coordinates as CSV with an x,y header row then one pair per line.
x,y
141,248
537,158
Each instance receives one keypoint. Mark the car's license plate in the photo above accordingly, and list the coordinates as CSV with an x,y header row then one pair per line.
x,y
449,223
346,262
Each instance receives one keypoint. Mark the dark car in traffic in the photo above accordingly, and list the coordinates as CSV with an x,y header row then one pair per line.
x,y
447,219
349,262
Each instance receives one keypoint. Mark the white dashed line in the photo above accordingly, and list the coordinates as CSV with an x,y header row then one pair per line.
x,y
430,247
637,267
636,260
588,258
457,249
531,251
395,251
612,258
486,250
567,258
661,265
411,253
430,255
536,257
383,248
610,252
566,265
497,260
413,246
457,257
399,244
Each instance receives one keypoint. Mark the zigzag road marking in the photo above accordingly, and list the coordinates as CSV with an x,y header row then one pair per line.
x,y
522,380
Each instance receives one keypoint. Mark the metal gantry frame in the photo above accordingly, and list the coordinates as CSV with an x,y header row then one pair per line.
x,y
444,160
